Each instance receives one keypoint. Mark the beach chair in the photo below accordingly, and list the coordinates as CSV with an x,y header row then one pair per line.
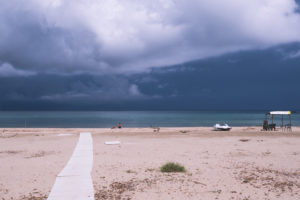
x,y
288,127
272,127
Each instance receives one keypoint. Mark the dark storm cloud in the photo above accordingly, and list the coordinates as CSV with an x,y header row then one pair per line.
x,y
64,36
257,79
64,88
98,54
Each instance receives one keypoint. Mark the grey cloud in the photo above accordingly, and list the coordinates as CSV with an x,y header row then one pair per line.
x,y
64,36
246,84
29,43
57,88
7,70
294,55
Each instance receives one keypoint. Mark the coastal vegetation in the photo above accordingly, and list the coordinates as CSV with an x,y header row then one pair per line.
x,y
172,167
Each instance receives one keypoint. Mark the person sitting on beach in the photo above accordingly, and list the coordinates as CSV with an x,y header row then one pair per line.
x,y
119,125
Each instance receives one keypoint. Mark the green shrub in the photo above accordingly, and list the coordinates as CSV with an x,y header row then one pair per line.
x,y
172,167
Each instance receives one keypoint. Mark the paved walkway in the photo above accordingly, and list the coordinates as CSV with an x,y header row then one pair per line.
x,y
74,182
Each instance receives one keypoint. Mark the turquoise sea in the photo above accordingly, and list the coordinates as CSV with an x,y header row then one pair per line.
x,y
107,119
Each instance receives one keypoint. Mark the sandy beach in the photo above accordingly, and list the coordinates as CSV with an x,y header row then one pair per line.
x,y
245,163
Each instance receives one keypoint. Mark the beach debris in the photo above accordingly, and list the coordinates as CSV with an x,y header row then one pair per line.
x,y
40,154
266,153
112,142
197,182
184,131
10,152
129,171
216,191
5,134
156,129
123,190
116,190
150,170
244,140
270,179
127,189
33,196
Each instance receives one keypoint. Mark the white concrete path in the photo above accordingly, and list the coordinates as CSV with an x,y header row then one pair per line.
x,y
74,182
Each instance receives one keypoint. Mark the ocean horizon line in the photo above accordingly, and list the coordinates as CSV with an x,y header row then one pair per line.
x,y
108,119
160,110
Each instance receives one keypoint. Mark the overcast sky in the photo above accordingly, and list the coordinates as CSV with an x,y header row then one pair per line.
x,y
109,39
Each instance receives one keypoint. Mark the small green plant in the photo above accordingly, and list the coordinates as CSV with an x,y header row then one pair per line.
x,y
172,167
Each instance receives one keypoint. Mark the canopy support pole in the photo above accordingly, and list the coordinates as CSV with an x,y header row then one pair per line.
x,y
290,122
272,116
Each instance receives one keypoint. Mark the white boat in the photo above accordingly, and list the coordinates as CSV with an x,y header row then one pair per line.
x,y
222,127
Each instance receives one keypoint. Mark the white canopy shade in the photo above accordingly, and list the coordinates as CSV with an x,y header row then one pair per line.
x,y
280,112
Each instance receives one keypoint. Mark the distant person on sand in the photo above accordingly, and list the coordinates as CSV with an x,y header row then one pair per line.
x,y
119,125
